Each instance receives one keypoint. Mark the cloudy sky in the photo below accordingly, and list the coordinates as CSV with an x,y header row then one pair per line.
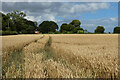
x,y
90,14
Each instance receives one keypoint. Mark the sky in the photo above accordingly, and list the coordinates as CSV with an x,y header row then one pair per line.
x,y
91,14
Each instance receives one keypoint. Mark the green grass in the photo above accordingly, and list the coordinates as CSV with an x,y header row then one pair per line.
x,y
48,49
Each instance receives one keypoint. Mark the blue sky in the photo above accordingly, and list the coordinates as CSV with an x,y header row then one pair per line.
x,y
112,11
90,14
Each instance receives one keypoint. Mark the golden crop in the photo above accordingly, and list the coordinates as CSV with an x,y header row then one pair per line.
x,y
94,54
10,43
61,56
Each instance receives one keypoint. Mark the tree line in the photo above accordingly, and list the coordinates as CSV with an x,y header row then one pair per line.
x,y
15,23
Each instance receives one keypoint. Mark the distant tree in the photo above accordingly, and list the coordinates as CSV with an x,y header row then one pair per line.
x,y
72,27
80,31
76,23
66,27
116,30
28,26
48,26
100,29
76,29
53,26
62,28
69,27
15,21
17,18
5,21
85,31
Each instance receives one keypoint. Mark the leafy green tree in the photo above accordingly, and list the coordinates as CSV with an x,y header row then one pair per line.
x,y
69,27
80,31
53,26
62,28
28,26
15,21
66,27
5,21
116,30
76,23
72,27
76,29
17,18
100,29
48,26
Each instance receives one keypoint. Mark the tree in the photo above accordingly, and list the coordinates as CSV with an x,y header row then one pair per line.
x,y
53,26
76,23
62,28
66,27
100,29
69,27
15,21
5,20
72,27
116,30
17,18
80,31
48,26
28,26
76,29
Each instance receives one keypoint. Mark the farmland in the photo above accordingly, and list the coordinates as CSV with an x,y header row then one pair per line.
x,y
60,56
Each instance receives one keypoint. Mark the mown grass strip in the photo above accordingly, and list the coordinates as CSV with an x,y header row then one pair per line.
x,y
48,49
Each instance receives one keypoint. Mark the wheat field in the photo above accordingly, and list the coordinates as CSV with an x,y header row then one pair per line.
x,y
60,56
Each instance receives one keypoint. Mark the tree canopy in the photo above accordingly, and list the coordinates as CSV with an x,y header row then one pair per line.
x,y
100,29
73,27
47,26
116,30
76,23
15,21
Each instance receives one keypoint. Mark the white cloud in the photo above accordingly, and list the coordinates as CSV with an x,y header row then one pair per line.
x,y
48,11
114,19
54,9
89,7
32,18
49,17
